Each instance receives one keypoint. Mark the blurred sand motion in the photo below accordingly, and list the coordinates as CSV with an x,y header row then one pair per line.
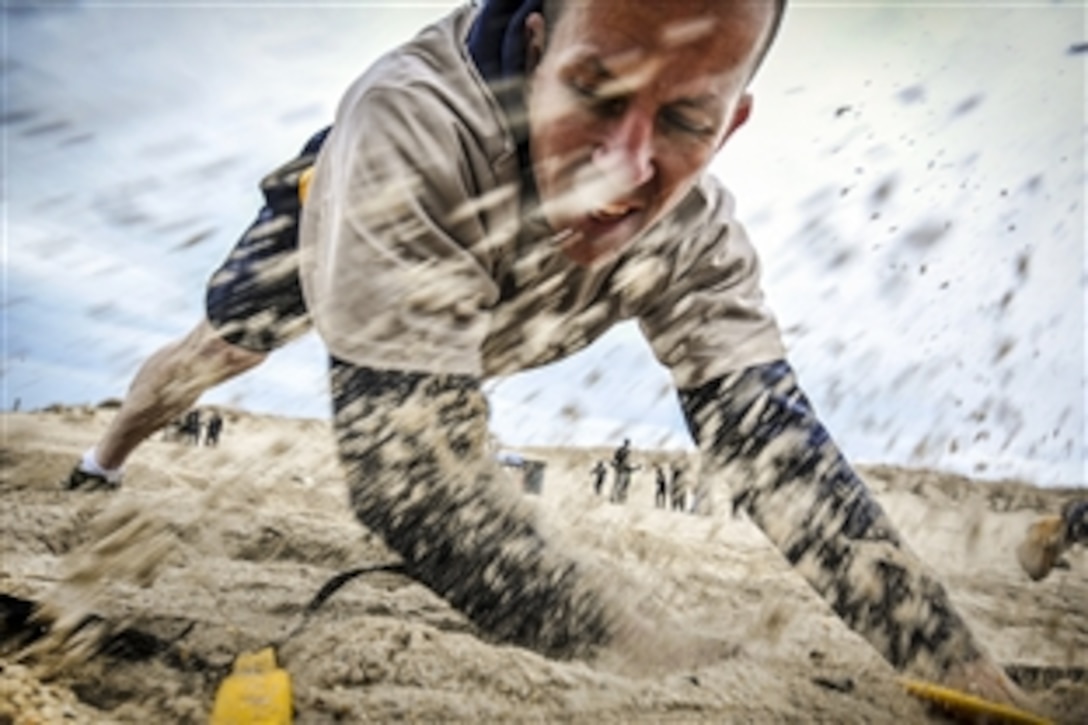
x,y
233,542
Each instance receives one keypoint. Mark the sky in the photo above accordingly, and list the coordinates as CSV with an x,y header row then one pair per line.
x,y
913,177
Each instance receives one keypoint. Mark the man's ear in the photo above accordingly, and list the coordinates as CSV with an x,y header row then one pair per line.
x,y
740,116
536,39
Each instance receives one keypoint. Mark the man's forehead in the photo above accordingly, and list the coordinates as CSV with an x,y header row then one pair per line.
x,y
666,17
623,33
628,73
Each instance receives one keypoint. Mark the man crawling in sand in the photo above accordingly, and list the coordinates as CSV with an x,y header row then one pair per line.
x,y
493,196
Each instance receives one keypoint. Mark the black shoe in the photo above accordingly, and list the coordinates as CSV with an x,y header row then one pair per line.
x,y
80,479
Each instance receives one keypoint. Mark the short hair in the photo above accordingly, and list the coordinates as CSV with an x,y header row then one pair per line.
x,y
551,9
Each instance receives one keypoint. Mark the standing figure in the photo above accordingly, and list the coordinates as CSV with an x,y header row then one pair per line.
x,y
676,489
213,429
600,472
661,489
191,427
621,465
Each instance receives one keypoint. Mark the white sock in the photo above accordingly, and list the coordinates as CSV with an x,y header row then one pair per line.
x,y
89,464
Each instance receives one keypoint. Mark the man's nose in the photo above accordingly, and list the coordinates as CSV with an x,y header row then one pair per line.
x,y
627,150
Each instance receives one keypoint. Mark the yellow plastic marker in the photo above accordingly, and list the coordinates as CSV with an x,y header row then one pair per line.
x,y
256,692
304,184
961,702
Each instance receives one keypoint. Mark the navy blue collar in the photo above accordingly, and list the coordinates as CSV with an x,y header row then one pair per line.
x,y
496,41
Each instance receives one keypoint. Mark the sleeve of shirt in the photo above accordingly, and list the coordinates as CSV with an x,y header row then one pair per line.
x,y
413,447
389,269
758,431
710,318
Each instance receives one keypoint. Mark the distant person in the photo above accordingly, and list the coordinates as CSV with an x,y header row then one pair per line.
x,y
1048,538
495,194
212,429
191,428
677,489
600,473
534,476
622,469
661,488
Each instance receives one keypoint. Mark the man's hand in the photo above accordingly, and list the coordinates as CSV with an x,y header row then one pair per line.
x,y
759,431
1042,547
986,679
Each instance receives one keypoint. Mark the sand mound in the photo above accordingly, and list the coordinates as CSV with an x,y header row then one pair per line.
x,y
209,552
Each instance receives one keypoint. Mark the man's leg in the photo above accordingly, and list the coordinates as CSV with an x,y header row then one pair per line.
x,y
167,384
254,305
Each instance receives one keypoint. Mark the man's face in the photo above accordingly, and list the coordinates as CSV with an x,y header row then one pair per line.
x,y
628,105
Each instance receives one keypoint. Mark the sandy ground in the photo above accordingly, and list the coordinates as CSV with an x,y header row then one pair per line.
x,y
232,543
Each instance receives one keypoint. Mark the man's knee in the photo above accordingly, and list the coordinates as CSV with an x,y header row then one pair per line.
x,y
218,357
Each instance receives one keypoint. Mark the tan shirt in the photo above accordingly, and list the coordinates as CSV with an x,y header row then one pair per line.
x,y
415,256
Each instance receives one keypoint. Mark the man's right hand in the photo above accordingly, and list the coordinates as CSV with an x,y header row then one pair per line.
x,y
985,679
1042,547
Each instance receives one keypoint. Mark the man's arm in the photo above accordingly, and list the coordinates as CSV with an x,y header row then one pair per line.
x,y
787,473
412,447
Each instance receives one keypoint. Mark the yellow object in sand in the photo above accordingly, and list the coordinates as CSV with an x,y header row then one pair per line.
x,y
304,184
963,703
256,692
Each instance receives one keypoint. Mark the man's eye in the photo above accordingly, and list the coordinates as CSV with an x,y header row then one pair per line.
x,y
590,94
686,124
586,90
